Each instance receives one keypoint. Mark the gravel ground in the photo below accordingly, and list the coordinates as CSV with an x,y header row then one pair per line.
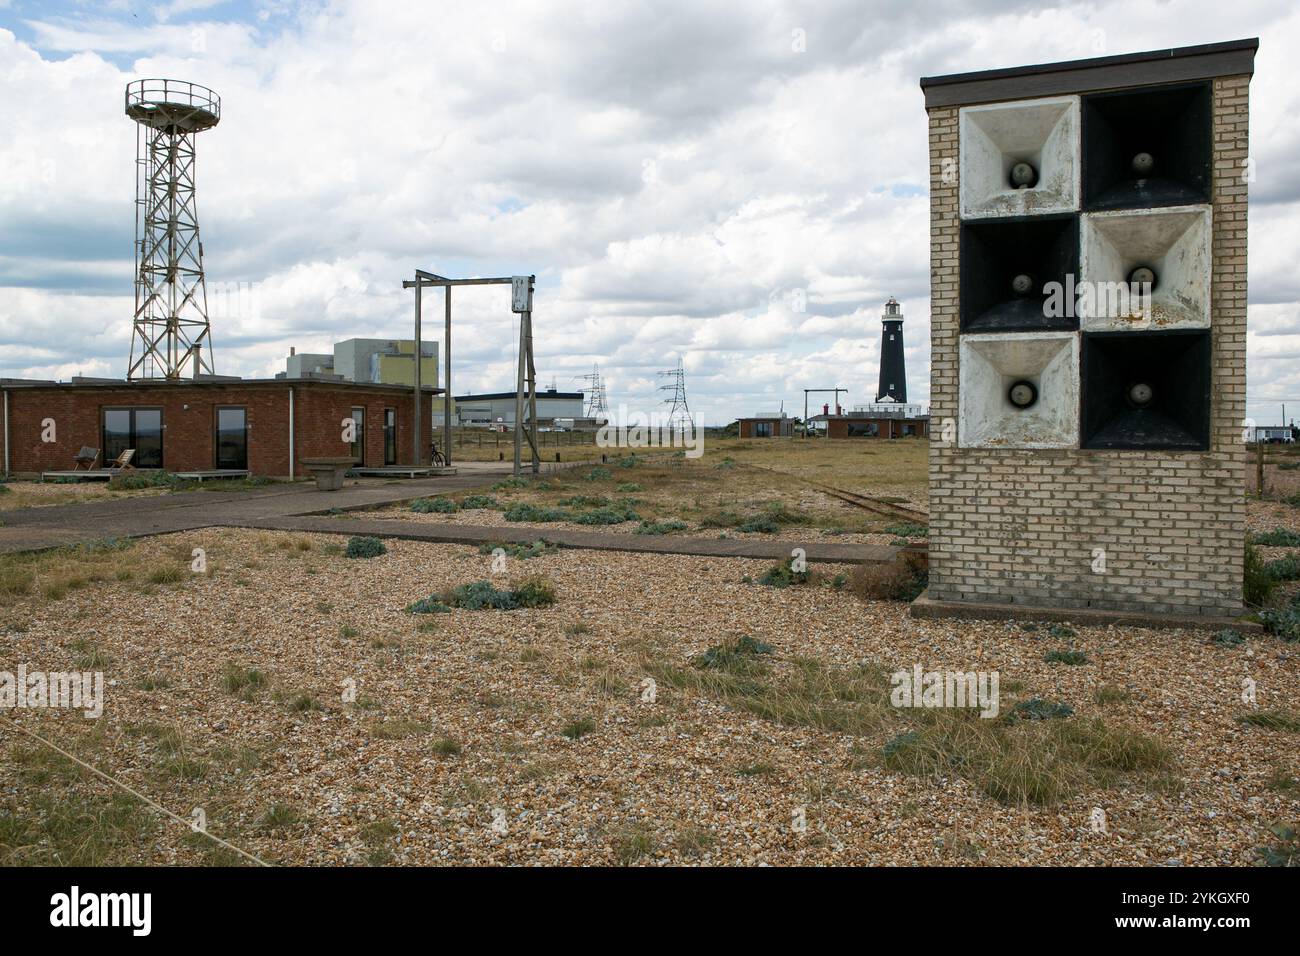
x,y
36,494
682,779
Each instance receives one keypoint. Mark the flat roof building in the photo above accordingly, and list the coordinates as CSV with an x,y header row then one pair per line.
x,y
211,423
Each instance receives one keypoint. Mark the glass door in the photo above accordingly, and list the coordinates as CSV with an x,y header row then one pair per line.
x,y
232,439
359,436
390,436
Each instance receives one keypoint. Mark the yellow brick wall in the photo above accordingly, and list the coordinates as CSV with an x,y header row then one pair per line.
x,y
1020,526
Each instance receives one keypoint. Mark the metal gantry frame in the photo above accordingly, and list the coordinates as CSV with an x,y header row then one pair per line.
x,y
526,382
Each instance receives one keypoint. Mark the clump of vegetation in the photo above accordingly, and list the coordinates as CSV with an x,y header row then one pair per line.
x,y
1278,538
1272,720
628,486
613,514
760,524
1035,708
137,480
477,502
783,575
243,682
903,579
781,513
1062,632
1229,638
364,546
446,747
599,473
1283,622
1257,584
524,511
1066,657
720,519
514,481
521,551
627,461
1111,694
578,728
1284,569
1286,852
726,464
438,505
907,529
732,655
481,595
585,501
660,527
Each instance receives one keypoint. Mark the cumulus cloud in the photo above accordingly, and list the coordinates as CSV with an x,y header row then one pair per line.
x,y
740,185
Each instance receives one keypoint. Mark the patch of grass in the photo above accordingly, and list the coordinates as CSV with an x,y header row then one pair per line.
x,y
1071,657
1277,538
902,579
1228,638
575,729
585,501
756,769
429,605
1272,720
523,552
377,836
523,511
783,575
628,487
437,505
532,592
280,816
576,628
732,655
302,702
907,529
243,682
1282,622
478,502
398,729
599,473
363,546
1110,694
348,632
613,514
1257,584
720,519
1061,632
759,524
446,747
71,828
660,527
632,843
153,682
1035,708
1284,569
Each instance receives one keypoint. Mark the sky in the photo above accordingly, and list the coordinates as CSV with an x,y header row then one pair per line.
x,y
736,185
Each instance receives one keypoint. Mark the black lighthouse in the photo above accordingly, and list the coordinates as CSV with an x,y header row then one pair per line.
x,y
893,377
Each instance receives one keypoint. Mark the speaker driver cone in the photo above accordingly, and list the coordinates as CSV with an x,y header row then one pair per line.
x,y
1022,394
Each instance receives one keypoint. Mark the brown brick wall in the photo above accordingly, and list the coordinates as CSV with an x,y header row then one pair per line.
x,y
1018,526
839,428
189,423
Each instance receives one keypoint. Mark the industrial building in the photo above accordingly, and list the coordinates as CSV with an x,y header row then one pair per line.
x,y
555,409
207,424
767,425
376,361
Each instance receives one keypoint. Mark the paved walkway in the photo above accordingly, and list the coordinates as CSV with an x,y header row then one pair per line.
x,y
299,507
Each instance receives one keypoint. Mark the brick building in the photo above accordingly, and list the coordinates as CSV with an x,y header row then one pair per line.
x,y
264,426
1071,506
766,426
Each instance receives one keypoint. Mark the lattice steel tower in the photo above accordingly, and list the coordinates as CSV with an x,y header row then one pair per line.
x,y
171,300
597,404
679,416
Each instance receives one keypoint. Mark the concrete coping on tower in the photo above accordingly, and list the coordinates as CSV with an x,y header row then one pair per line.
x,y
1179,64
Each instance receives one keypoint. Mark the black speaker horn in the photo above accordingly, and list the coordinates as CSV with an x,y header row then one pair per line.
x,y
1146,390
1147,147
1007,266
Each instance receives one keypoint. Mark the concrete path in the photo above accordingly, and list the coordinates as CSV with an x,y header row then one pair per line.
x,y
299,507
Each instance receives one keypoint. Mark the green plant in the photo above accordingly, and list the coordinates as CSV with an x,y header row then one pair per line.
x,y
438,505
761,524
1066,657
585,501
1272,720
481,595
614,514
476,502
505,484
783,575
660,527
429,605
521,551
908,529
578,728
1229,638
446,747
732,655
529,512
1062,632
243,682
1284,569
1257,584
1278,537
628,486
1287,850
363,546
1283,622
627,461
1035,708
599,473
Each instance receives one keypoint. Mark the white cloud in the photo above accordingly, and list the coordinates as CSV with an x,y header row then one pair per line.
x,y
678,176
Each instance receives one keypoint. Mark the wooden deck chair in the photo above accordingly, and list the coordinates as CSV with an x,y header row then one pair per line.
x,y
123,461
87,456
